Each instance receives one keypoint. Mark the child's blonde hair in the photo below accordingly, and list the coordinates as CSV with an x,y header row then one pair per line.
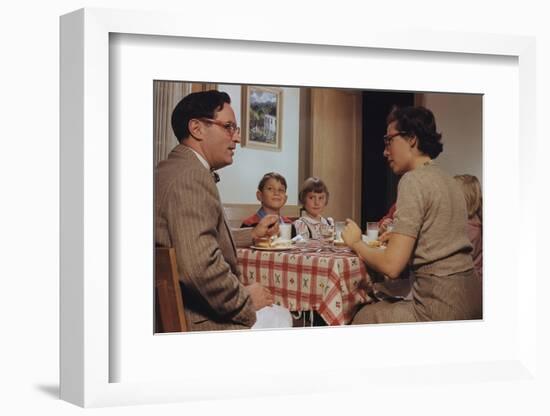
x,y
472,194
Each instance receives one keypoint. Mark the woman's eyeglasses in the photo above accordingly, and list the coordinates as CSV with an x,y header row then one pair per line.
x,y
388,138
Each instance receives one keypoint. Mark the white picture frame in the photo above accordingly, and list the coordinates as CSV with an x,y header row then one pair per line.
x,y
88,166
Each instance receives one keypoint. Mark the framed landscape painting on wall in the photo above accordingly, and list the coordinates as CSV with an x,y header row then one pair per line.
x,y
261,122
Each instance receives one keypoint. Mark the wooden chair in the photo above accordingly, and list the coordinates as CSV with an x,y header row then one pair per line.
x,y
236,213
169,302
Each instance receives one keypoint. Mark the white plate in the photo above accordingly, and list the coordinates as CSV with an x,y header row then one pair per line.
x,y
366,241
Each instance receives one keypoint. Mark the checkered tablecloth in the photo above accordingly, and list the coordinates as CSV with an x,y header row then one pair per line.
x,y
333,282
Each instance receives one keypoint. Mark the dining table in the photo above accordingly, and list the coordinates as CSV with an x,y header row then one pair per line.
x,y
312,276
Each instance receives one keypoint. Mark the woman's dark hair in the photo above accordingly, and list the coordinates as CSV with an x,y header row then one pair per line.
x,y
419,122
312,184
196,105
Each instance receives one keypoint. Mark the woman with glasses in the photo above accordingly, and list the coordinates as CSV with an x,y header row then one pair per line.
x,y
429,230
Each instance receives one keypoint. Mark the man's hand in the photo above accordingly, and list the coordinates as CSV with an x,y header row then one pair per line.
x,y
260,296
267,227
351,234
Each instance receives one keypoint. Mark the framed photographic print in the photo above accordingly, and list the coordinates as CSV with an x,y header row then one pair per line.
x,y
109,352
261,117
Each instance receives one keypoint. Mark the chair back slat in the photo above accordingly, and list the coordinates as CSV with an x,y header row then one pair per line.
x,y
171,317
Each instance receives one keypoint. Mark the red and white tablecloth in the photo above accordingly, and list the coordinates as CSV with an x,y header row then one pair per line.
x,y
333,282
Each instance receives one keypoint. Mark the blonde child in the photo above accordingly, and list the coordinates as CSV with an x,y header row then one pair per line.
x,y
474,203
314,198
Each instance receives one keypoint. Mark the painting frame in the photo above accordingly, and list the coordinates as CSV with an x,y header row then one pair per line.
x,y
84,235
266,134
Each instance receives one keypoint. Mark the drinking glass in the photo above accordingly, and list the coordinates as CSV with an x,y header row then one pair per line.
x,y
340,225
285,231
327,233
372,231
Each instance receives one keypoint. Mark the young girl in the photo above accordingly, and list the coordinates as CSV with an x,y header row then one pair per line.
x,y
314,198
472,193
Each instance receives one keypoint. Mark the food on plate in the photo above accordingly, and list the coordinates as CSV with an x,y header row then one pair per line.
x,y
339,242
263,243
271,243
281,243
374,243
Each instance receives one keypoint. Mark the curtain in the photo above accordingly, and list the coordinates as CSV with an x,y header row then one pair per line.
x,y
166,95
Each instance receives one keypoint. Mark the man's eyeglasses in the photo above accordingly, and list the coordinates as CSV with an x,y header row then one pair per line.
x,y
230,127
388,138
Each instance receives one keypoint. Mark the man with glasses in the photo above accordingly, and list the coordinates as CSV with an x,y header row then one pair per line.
x,y
190,218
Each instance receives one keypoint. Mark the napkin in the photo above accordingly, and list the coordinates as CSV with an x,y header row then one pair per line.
x,y
298,238
274,316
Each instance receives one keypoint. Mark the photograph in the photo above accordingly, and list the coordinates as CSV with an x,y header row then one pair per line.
x,y
403,167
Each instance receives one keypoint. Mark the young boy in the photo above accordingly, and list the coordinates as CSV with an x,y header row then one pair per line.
x,y
272,195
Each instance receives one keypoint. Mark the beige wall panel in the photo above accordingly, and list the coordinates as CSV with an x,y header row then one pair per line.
x,y
336,149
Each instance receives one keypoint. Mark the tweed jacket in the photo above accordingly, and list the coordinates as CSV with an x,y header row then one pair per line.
x,y
190,218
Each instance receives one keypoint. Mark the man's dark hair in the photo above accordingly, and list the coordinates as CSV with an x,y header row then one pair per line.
x,y
196,105
419,122
271,175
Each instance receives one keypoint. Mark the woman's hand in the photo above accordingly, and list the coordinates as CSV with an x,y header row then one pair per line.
x,y
384,225
385,237
351,234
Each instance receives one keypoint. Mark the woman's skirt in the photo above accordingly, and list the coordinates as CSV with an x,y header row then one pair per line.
x,y
434,298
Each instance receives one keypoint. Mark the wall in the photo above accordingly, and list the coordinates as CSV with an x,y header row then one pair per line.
x,y
239,181
459,118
